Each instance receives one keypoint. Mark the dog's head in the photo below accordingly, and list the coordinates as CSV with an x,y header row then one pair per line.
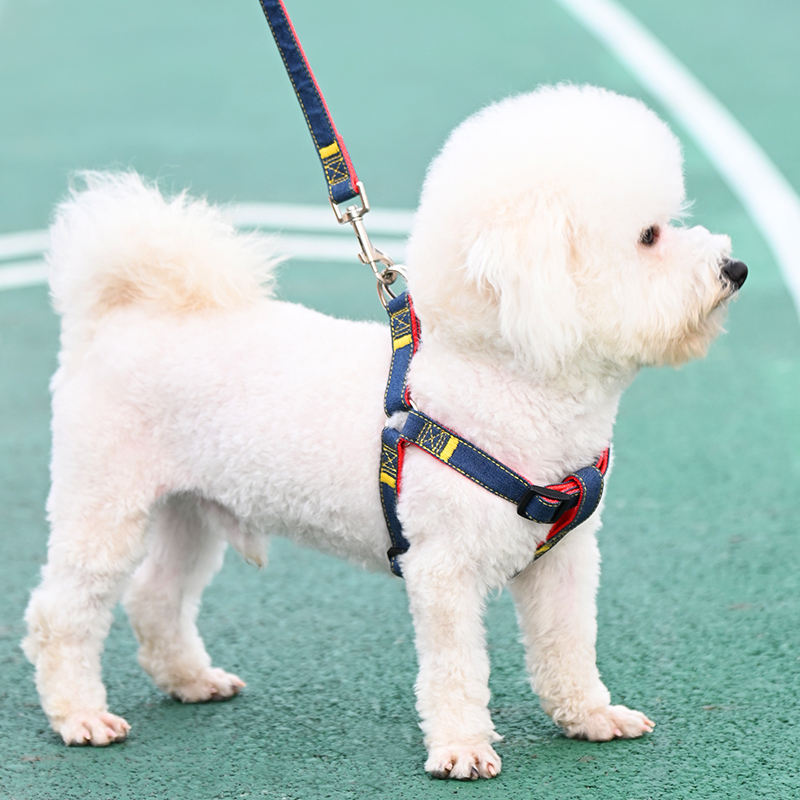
x,y
549,231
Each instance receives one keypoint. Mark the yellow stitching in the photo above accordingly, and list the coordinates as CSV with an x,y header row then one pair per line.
x,y
583,496
485,455
335,169
466,475
494,461
389,460
294,86
386,517
395,327
422,445
330,181
599,494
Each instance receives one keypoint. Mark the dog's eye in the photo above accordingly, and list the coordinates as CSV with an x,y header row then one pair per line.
x,y
650,236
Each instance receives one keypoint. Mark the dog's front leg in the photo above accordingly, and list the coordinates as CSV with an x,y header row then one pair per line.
x,y
453,683
555,600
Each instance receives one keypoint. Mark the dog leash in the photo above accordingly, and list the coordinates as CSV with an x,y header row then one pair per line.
x,y
340,175
564,505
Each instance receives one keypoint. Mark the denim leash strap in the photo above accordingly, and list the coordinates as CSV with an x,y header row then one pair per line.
x,y
343,184
339,172
564,505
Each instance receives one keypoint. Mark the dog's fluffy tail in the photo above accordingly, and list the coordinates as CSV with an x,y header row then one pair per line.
x,y
119,241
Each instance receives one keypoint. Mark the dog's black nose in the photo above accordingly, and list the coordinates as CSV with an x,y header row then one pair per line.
x,y
735,272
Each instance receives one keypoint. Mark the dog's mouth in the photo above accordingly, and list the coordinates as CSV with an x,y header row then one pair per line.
x,y
733,274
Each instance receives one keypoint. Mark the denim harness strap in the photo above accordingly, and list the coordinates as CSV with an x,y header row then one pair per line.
x,y
563,505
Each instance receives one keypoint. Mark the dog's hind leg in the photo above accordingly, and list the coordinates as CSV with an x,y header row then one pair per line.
x,y
186,550
95,544
555,600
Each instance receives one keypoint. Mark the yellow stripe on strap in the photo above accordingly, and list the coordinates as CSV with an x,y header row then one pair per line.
x,y
402,341
330,150
388,480
449,449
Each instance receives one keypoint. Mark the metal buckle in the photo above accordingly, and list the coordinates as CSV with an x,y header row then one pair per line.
x,y
370,254
393,552
567,500
352,212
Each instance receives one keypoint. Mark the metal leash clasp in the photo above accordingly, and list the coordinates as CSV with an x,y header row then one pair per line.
x,y
386,274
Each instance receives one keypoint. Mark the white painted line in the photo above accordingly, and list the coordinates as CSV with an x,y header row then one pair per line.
x,y
329,249
765,193
25,273
333,248
385,225
393,222
26,243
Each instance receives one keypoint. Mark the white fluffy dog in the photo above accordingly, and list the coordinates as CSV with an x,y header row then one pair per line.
x,y
192,410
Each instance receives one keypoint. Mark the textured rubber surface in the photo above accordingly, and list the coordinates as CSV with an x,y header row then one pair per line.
x,y
699,606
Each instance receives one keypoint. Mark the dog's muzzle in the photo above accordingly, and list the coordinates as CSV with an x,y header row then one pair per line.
x,y
734,272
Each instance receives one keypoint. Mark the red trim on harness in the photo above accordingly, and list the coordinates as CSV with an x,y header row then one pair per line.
x,y
415,340
602,462
573,487
401,453
567,518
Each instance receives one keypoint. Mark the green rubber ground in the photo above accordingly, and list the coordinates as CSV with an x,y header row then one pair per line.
x,y
699,606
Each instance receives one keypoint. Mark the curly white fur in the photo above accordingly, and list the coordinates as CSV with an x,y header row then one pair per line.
x,y
188,410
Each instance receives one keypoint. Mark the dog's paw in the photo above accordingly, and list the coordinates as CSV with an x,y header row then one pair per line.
x,y
210,684
463,762
611,722
97,728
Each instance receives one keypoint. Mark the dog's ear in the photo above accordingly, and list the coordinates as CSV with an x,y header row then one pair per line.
x,y
526,263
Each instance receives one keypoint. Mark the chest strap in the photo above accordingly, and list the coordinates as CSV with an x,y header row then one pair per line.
x,y
563,505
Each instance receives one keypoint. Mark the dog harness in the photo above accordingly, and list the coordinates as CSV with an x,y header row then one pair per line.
x,y
563,505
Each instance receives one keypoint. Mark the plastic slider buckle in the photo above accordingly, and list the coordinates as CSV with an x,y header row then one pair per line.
x,y
567,501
